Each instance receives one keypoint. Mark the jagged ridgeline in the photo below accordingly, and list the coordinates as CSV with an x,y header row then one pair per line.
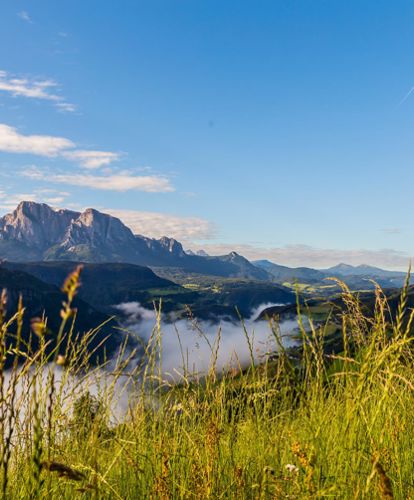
x,y
37,232
40,246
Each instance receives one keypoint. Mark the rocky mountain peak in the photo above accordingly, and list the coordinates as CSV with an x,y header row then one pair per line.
x,y
35,224
89,216
198,253
31,210
98,229
172,246
234,256
202,253
37,232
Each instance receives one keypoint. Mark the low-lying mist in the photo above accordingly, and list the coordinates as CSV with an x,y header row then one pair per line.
x,y
188,349
188,344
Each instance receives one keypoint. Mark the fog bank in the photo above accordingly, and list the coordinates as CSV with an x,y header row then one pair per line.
x,y
187,345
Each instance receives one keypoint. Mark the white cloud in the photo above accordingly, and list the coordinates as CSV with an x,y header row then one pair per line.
x,y
123,182
305,255
24,15
92,159
11,141
156,225
112,182
57,200
34,89
44,145
66,106
9,201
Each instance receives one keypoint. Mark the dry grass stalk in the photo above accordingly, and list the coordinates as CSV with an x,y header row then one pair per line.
x,y
64,471
384,483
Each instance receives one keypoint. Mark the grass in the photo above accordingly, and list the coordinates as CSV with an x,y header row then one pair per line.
x,y
302,424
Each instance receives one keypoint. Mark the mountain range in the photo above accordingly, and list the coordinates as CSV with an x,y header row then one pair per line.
x,y
40,246
362,270
356,277
37,232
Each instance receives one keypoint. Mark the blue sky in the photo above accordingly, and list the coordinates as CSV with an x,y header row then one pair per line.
x,y
280,129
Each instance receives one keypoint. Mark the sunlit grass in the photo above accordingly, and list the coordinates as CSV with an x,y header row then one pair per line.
x,y
303,424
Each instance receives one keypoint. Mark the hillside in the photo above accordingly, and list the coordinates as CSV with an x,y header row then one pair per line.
x,y
41,298
105,285
102,283
284,273
356,277
363,270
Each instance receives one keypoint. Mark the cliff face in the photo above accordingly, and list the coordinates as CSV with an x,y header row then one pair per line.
x,y
36,225
52,234
37,232
96,229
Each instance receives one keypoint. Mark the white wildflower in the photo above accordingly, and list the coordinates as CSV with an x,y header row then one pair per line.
x,y
291,468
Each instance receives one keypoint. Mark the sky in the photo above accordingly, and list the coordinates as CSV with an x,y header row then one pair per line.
x,y
280,129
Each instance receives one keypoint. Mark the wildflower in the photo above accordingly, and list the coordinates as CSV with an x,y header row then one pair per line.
x,y
302,455
292,468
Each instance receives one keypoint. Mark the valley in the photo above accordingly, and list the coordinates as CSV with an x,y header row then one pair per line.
x,y
41,246
120,267
206,240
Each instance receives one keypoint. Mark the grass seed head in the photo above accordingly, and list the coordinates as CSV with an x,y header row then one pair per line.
x,y
63,470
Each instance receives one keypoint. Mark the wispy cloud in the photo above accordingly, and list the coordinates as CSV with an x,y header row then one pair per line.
x,y
156,225
391,230
11,141
34,88
24,15
92,159
66,106
113,182
9,201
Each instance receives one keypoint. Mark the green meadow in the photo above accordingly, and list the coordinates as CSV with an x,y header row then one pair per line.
x,y
303,423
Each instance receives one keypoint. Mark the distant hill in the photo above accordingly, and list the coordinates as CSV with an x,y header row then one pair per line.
x,y
42,298
284,273
37,232
362,270
102,285
105,285
356,277
319,308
